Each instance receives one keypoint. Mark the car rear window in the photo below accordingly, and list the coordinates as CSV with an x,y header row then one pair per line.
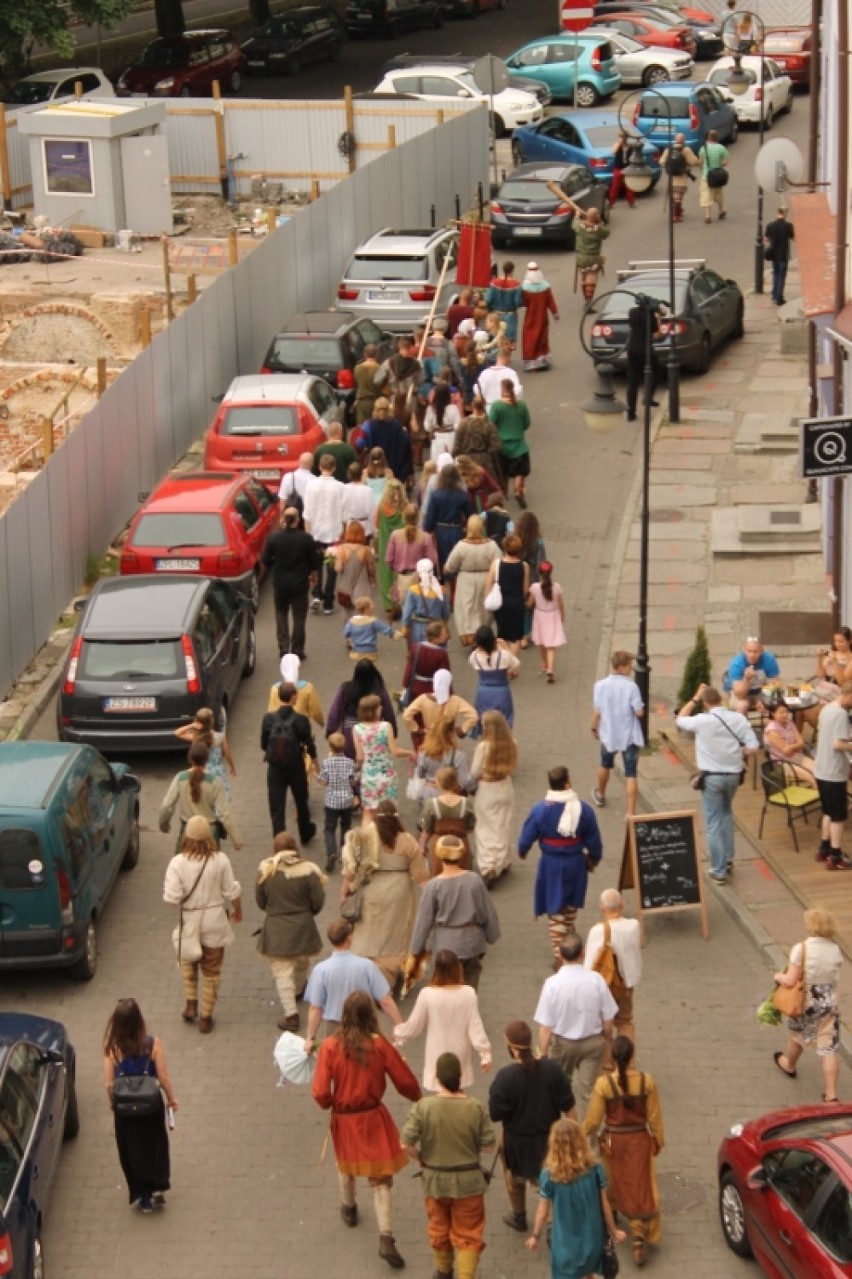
x,y
28,94
261,419
179,530
620,303
19,848
783,44
652,107
163,56
412,267
720,76
306,352
605,51
525,191
131,660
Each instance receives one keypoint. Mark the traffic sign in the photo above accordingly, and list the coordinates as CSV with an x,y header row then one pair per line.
x,y
574,15
826,446
490,74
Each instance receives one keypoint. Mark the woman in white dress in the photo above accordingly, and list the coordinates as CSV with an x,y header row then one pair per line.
x,y
494,761
470,560
448,1011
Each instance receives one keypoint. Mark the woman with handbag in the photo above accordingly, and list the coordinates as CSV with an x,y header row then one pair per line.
x,y
131,1054
714,175
469,561
807,995
627,1105
382,865
199,880
512,576
573,1194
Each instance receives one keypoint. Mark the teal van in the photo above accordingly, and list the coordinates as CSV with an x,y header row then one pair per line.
x,y
69,821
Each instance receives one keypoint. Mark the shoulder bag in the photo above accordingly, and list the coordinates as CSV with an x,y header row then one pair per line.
x,y
742,747
717,177
188,949
606,963
494,599
790,1000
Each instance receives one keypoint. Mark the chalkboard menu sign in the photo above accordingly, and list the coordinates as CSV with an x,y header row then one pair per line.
x,y
665,864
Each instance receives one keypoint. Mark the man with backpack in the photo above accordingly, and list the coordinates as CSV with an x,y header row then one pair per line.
x,y
678,161
285,736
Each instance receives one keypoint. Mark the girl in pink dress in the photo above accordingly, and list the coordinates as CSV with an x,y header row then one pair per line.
x,y
548,623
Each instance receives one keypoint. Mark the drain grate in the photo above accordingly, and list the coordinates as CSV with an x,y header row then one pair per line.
x,y
666,515
679,1194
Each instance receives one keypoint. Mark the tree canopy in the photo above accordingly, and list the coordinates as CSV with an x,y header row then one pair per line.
x,y
24,23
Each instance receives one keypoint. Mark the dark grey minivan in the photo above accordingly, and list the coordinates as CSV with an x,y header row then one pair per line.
x,y
148,653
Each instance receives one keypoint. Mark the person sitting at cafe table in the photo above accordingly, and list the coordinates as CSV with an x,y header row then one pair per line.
x,y
747,674
785,744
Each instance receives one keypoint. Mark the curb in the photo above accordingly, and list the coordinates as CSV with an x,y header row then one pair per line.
x,y
40,698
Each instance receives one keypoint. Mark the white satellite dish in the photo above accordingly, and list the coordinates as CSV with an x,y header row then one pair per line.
x,y
779,163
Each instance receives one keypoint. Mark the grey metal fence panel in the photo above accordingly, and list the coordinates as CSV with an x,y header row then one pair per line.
x,y
94,438
298,138
58,535
38,515
71,462
7,622
192,146
135,393
22,581
20,174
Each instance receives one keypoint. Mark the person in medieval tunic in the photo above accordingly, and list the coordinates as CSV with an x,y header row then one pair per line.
x,y
540,304
504,297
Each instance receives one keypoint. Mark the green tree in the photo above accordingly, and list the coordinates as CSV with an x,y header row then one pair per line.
x,y
26,23
697,669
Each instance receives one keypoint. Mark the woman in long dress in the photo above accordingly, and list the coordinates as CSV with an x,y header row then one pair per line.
x,y
389,518
494,761
626,1104
355,566
478,439
385,861
514,578
406,546
447,511
448,1011
495,665
440,749
450,812
375,748
439,703
425,602
352,1070
469,561
548,621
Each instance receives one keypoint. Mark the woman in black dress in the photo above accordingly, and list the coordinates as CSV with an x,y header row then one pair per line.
x,y
142,1140
527,1097
514,578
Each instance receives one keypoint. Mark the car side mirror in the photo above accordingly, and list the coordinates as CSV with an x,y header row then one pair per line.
x,y
80,604
758,1179
217,399
129,782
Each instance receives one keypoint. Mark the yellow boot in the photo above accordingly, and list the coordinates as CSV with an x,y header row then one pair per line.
x,y
466,1263
443,1264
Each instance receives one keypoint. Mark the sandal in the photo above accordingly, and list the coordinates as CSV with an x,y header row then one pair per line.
x,y
638,1250
791,1074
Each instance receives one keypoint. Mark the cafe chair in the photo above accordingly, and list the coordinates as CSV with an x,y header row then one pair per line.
x,y
782,790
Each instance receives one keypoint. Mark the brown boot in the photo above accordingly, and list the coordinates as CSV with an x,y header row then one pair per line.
x,y
516,1221
206,1025
191,1011
349,1213
388,1252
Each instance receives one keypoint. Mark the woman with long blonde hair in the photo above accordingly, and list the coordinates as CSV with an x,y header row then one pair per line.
x,y
494,762
389,518
440,749
573,1195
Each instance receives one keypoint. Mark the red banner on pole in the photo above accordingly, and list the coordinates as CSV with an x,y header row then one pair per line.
x,y
474,264
574,15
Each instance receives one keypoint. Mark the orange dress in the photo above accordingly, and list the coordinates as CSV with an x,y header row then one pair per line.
x,y
366,1139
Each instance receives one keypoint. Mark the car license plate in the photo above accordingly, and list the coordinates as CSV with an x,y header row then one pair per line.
x,y
256,63
267,475
527,230
130,703
384,295
178,566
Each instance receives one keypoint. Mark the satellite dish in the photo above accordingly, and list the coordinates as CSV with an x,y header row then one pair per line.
x,y
490,74
779,163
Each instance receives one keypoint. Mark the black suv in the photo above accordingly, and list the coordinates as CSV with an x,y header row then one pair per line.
x,y
291,39
148,653
328,344
537,88
392,17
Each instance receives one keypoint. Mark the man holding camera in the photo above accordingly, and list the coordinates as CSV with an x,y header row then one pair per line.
x,y
678,161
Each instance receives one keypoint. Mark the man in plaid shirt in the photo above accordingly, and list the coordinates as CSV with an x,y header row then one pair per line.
x,y
337,774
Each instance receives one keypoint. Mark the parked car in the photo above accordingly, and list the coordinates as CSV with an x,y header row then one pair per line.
x,y
147,654
683,12
471,8
69,822
291,39
642,64
767,82
203,522
328,344
265,422
467,61
650,31
392,17
559,59
690,109
394,276
524,207
38,1101
785,1191
707,35
511,107
792,49
578,137
185,66
708,309
45,86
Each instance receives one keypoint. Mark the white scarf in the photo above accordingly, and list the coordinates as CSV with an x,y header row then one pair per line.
x,y
571,813
428,580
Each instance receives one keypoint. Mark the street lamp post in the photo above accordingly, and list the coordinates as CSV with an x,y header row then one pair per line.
x,y
602,412
638,177
743,33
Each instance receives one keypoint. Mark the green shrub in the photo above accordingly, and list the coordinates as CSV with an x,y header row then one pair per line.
x,y
697,670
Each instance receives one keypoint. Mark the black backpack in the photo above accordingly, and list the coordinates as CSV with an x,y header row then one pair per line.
x,y
676,163
283,748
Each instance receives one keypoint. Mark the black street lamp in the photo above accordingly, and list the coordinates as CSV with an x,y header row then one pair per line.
x,y
603,411
743,33
638,177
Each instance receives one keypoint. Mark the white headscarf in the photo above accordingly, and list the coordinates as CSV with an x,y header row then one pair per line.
x,y
428,580
444,459
534,274
467,327
290,668
442,683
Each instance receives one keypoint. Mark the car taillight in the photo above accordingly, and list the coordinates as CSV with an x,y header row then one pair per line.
x,y
5,1253
596,59
71,673
495,207
226,564
193,683
426,294
345,379
601,331
66,902
693,116
346,295
562,210
129,563
667,325
266,369
598,162
758,94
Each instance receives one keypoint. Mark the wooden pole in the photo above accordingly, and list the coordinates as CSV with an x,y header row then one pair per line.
x,y
233,254
221,143
191,287
315,189
167,273
47,436
391,136
271,218
350,123
102,375
145,326
5,176
425,337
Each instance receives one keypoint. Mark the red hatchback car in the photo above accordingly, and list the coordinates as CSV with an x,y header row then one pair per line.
x,y
792,49
185,66
212,525
785,1191
648,32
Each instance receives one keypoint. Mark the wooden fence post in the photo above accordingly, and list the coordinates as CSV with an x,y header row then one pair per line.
x,y
145,327
350,123
221,143
233,253
191,288
167,272
102,375
315,189
5,175
271,218
47,436
391,136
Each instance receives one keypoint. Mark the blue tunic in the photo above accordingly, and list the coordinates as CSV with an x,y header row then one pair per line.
x,y
561,876
446,517
493,694
578,1233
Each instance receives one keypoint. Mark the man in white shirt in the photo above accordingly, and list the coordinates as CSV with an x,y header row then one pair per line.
x,y
622,935
324,521
489,383
721,738
831,772
575,1014
292,488
615,722
359,501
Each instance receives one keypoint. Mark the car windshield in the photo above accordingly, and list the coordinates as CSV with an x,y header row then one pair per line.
x,y
305,353
603,135
652,108
27,93
720,76
261,419
391,268
620,303
17,849
164,56
131,659
466,78
525,191
629,45
179,529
